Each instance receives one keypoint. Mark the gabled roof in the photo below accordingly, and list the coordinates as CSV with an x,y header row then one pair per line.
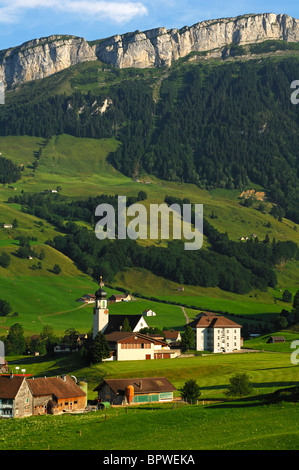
x,y
9,386
55,386
119,336
141,385
211,320
116,322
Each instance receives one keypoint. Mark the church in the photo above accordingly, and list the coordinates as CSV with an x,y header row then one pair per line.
x,y
124,345
107,324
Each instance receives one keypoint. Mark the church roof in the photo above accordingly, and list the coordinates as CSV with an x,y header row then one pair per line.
x,y
116,322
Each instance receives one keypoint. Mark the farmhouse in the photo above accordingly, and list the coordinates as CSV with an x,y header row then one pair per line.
x,y
130,346
120,298
144,390
54,395
216,333
15,397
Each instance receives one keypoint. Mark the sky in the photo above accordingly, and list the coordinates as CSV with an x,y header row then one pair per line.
x,y
23,20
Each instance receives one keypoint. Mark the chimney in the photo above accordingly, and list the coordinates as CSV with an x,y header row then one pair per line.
x,y
140,384
63,377
11,375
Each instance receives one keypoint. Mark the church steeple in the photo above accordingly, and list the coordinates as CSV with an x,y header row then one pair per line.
x,y
100,311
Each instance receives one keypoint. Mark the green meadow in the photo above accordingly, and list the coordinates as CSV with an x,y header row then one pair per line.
x,y
209,424
186,427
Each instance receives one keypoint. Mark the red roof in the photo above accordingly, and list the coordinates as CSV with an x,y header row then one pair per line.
x,y
211,320
9,386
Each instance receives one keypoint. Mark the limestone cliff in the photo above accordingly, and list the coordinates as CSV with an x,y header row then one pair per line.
x,y
158,47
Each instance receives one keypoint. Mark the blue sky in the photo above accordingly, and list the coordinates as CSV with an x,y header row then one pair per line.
x,y
22,20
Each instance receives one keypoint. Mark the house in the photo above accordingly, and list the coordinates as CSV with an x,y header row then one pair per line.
x,y
130,346
276,339
145,390
216,333
53,395
172,336
149,313
120,298
7,226
15,397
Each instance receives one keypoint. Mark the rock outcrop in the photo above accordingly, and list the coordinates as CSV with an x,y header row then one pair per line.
x,y
158,47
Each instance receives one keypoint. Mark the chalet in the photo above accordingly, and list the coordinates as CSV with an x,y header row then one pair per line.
x,y
145,390
216,333
276,339
130,346
53,395
15,397
120,298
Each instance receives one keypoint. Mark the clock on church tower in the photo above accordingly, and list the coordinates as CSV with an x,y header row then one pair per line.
x,y
100,311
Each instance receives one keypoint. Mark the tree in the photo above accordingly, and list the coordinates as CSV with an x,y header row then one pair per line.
x,y
190,391
239,386
56,269
188,339
4,260
15,341
5,308
126,325
100,349
287,296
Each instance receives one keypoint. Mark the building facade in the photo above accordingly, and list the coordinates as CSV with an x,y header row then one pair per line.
x,y
216,333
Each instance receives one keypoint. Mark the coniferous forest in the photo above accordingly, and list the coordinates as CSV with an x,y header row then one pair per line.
x,y
220,126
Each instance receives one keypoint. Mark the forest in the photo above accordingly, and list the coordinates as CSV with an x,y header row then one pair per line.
x,y
233,266
221,125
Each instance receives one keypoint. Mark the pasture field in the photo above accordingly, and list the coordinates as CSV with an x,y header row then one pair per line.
x,y
240,425
214,423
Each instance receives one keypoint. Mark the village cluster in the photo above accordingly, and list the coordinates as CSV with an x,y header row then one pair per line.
x,y
22,395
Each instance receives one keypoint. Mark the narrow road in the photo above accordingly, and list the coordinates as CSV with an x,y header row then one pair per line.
x,y
185,315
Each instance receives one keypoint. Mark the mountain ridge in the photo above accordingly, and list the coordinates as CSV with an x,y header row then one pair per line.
x,y
40,58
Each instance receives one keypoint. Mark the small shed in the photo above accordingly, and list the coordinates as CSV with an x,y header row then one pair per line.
x,y
276,339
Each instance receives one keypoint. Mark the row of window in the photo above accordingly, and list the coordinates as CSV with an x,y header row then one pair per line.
x,y
135,345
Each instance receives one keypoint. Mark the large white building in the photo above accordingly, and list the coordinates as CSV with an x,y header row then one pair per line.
x,y
216,333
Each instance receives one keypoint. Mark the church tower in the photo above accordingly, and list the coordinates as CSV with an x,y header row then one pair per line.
x,y
100,311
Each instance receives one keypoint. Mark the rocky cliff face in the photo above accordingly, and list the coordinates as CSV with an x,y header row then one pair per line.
x,y
158,47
